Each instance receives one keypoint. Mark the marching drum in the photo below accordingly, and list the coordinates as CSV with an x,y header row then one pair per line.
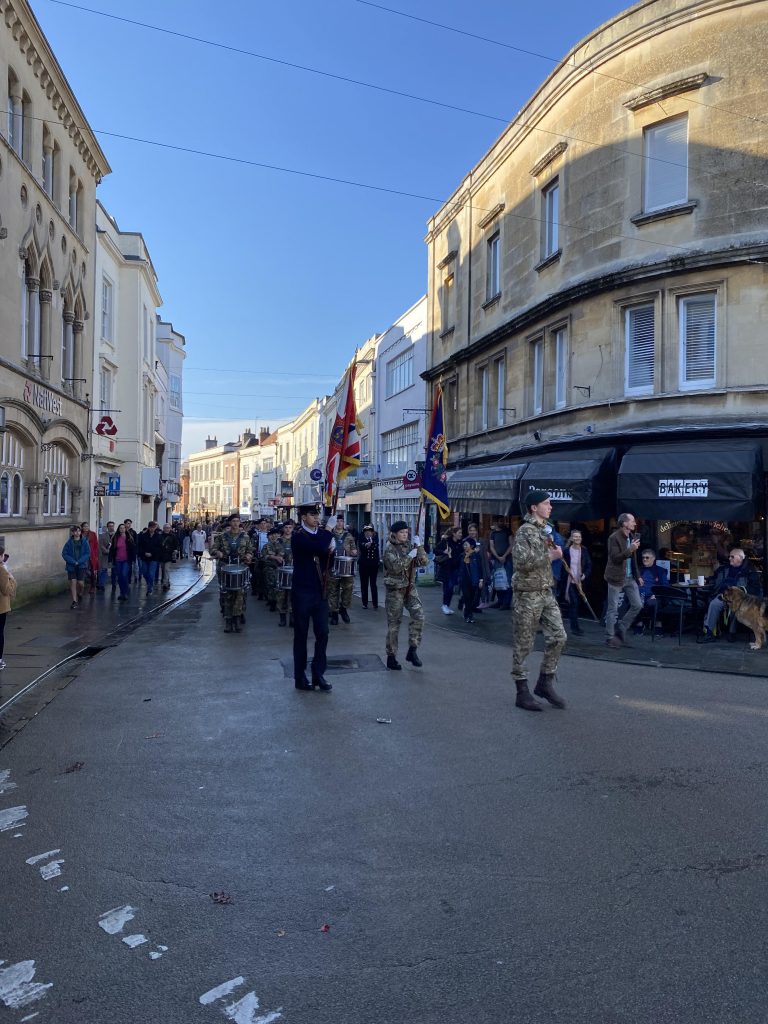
x,y
233,577
342,566
285,577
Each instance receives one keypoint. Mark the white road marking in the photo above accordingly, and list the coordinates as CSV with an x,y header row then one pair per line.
x,y
12,817
18,835
221,990
113,921
155,955
244,1010
42,856
135,940
64,888
31,1016
51,870
5,781
16,986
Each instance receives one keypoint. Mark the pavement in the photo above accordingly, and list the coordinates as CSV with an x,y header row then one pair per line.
x,y
186,838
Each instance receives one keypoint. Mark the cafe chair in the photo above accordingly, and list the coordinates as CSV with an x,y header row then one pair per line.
x,y
671,604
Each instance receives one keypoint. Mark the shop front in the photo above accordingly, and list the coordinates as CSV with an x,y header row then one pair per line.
x,y
696,500
480,493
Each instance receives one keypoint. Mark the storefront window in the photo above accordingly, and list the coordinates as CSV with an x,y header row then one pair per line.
x,y
11,475
699,547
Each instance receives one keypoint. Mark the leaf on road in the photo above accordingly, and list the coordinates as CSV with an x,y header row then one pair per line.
x,y
221,897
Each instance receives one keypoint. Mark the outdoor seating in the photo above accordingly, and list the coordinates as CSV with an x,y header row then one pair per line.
x,y
672,604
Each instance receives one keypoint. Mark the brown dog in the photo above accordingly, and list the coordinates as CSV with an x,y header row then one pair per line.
x,y
750,612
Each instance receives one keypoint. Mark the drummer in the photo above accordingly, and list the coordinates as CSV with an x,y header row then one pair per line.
x,y
272,557
284,596
230,546
312,549
340,587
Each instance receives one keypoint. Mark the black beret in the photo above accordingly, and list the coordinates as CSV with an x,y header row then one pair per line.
x,y
398,526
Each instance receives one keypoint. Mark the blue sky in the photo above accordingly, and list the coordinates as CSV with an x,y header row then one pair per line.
x,y
272,273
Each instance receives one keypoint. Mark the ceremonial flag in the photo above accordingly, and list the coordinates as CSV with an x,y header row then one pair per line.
x,y
344,442
434,480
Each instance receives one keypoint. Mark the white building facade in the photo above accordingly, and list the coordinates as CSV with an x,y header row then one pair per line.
x,y
170,348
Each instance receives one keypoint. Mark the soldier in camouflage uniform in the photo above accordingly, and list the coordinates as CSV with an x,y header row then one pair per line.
x,y
272,557
401,557
228,546
534,603
284,596
340,587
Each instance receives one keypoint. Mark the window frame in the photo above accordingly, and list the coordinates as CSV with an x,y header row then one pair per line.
x,y
537,376
560,344
550,210
627,312
700,384
108,290
399,373
493,266
652,162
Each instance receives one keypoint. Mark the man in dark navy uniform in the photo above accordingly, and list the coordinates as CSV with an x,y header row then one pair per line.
x,y
312,547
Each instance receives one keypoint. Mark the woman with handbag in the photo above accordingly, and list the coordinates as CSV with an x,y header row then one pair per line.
x,y
448,560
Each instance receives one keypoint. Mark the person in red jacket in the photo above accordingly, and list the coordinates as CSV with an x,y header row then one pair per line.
x,y
93,562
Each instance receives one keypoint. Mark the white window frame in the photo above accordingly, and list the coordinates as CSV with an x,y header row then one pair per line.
x,y
493,267
399,447
550,209
684,303
107,309
399,372
105,389
500,369
483,397
537,376
447,296
561,367
175,391
665,164
630,312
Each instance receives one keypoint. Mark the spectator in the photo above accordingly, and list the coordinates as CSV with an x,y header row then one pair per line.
x,y
622,576
105,542
448,556
130,532
368,566
482,547
579,562
652,575
92,572
77,555
198,539
150,552
558,575
169,546
122,554
7,593
186,542
500,548
738,573
471,577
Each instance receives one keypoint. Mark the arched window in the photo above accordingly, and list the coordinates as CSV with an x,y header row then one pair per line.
x,y
46,497
11,475
56,466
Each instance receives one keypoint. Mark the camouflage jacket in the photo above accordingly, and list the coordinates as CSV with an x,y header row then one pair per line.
x,y
271,551
224,548
397,564
530,557
287,552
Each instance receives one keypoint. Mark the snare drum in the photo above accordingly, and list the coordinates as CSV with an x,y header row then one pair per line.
x,y
342,565
285,577
233,577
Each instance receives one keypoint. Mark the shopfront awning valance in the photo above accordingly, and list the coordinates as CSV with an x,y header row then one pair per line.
x,y
693,480
582,483
493,489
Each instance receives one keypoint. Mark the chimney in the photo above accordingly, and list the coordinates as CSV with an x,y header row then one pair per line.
x,y
264,434
248,435
211,442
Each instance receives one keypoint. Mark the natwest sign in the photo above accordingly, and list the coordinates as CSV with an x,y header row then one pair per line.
x,y
42,398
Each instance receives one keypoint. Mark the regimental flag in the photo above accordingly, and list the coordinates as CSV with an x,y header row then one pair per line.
x,y
434,479
344,442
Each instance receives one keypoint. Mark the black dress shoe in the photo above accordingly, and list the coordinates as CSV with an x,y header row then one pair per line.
x,y
303,684
344,614
322,684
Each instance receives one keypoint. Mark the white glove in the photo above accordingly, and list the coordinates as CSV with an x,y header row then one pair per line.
x,y
330,523
413,552
417,540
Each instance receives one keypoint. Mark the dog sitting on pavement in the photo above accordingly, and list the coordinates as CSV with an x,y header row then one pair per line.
x,y
750,612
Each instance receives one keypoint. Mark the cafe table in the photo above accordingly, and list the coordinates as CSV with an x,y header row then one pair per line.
x,y
700,595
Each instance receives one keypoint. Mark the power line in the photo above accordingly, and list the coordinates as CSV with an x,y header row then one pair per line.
x,y
267,373
240,394
542,56
370,85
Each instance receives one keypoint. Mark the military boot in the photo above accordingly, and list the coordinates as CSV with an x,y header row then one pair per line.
x,y
413,657
545,689
393,663
524,699
282,619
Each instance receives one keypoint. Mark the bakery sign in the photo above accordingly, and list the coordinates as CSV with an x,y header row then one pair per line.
x,y
683,488
42,398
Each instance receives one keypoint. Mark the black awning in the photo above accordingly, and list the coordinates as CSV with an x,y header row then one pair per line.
x,y
493,488
582,483
693,480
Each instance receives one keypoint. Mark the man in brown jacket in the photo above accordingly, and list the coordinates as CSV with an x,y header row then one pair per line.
x,y
622,576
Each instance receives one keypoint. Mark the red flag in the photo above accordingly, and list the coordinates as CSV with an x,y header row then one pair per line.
x,y
344,442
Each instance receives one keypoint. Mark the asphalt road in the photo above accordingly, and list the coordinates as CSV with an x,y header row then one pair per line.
x,y
472,863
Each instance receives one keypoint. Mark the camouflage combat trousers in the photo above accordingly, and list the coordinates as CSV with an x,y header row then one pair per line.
x,y
339,592
270,582
284,601
394,603
529,609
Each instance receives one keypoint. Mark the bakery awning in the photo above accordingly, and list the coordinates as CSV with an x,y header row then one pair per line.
x,y
693,480
493,489
582,483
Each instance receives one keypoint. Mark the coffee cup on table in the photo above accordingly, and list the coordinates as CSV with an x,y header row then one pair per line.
x,y
701,581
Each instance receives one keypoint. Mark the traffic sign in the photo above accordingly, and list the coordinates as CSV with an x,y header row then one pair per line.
x,y
99,490
113,486
316,475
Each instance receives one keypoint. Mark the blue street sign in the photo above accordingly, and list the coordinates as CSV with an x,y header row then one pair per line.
x,y
316,474
113,487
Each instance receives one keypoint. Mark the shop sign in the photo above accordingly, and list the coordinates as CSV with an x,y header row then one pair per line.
x,y
99,490
42,398
683,488
411,481
286,488
555,493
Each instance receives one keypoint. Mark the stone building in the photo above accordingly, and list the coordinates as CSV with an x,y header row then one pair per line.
x,y
597,288
50,165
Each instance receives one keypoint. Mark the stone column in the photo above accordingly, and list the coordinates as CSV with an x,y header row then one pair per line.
x,y
77,357
46,298
67,362
48,183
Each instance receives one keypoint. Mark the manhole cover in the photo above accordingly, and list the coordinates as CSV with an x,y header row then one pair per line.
x,y
339,664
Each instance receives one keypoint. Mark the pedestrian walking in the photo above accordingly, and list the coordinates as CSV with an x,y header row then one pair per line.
x,y
150,552
579,563
92,573
368,566
198,540
534,604
471,578
401,557
122,554
312,548
105,543
77,556
168,554
7,594
622,575
186,542
448,555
